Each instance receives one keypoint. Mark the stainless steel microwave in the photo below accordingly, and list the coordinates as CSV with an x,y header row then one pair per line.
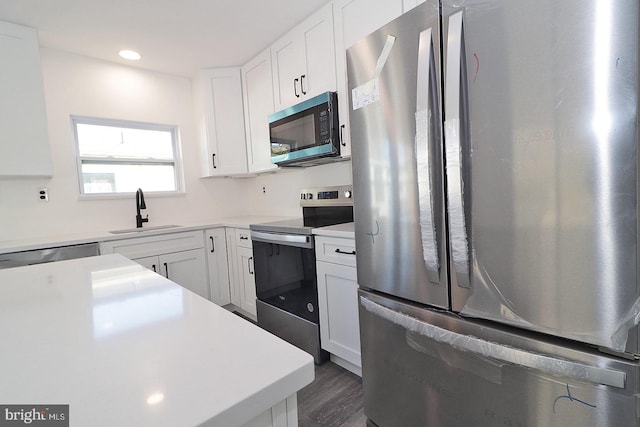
x,y
307,133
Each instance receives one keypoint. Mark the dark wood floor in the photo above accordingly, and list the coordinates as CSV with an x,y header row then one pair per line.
x,y
333,399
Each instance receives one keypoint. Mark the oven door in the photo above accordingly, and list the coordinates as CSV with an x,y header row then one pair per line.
x,y
285,273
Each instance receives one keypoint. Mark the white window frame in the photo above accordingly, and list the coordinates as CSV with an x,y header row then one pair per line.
x,y
177,158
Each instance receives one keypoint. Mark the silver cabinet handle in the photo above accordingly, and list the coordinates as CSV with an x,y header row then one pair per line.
x,y
213,249
514,356
249,262
427,113
455,89
166,270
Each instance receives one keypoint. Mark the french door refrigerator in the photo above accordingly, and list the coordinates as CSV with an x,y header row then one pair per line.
x,y
495,170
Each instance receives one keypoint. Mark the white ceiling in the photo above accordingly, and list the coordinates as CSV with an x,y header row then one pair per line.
x,y
174,36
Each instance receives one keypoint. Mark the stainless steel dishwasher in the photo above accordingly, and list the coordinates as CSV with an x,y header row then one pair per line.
x,y
40,256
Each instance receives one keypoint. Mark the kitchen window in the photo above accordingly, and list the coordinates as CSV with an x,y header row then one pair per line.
x,y
116,157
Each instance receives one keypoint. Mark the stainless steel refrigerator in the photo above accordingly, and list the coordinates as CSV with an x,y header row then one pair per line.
x,y
495,176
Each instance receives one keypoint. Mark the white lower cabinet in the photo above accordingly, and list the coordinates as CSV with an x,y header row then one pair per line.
x,y
218,266
177,256
242,279
183,268
247,279
338,301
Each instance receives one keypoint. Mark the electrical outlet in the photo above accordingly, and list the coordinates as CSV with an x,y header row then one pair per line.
x,y
43,194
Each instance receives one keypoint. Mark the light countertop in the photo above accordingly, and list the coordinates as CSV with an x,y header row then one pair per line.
x,y
104,235
345,230
109,337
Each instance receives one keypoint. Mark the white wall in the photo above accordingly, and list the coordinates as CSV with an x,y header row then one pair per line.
x,y
77,85
282,189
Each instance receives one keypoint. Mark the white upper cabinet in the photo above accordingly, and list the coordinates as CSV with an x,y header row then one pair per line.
x,y
24,137
257,82
303,61
354,19
410,4
220,120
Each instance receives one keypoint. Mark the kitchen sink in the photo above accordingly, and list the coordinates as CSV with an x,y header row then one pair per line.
x,y
138,230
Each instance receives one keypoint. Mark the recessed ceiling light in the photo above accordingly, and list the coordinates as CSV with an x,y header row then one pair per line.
x,y
129,54
155,398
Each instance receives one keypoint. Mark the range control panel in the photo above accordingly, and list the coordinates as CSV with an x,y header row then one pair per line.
x,y
327,196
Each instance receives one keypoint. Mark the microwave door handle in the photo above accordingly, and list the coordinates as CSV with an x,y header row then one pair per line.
x,y
455,90
295,88
426,107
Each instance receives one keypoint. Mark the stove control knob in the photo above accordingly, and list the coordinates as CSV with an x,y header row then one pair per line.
x,y
309,196
347,194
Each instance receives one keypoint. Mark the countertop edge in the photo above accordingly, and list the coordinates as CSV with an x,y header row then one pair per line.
x,y
345,230
27,244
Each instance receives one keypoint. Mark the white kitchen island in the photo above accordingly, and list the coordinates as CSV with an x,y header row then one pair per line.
x,y
124,346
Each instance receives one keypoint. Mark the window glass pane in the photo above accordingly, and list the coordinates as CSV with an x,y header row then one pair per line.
x,y
112,141
123,178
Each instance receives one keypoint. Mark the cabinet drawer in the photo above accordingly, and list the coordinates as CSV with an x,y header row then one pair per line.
x,y
243,238
336,250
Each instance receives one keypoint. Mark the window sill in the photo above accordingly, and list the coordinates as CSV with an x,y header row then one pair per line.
x,y
128,196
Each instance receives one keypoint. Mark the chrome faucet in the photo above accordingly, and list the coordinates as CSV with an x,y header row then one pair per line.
x,y
140,205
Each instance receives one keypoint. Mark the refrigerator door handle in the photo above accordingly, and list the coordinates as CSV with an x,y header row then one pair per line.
x,y
552,366
426,116
453,105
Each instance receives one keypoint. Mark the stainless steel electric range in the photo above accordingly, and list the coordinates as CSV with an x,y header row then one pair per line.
x,y
285,267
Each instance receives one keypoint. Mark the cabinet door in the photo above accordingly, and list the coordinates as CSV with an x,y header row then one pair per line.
x,y
349,28
24,150
303,61
223,144
247,279
338,304
287,56
235,287
188,269
410,4
150,262
257,85
320,56
217,263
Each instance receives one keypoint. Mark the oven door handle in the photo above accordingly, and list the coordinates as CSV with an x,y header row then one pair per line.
x,y
283,239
